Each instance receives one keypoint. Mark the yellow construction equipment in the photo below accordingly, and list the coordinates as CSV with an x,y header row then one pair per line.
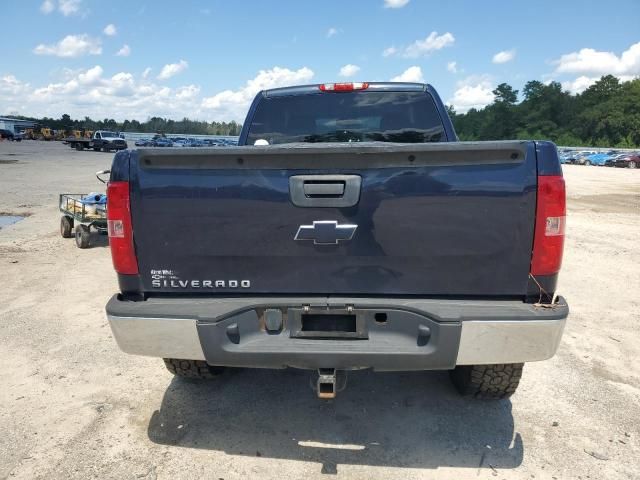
x,y
45,134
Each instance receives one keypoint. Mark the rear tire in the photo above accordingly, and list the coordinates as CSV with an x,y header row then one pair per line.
x,y
587,162
82,236
490,382
66,225
79,147
633,164
193,369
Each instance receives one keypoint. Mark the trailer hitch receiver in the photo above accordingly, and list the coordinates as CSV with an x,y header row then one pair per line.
x,y
330,381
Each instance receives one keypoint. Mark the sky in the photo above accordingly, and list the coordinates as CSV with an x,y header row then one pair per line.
x,y
206,60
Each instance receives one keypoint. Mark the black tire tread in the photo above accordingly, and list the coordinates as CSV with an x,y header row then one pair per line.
x,y
487,381
83,236
193,369
66,225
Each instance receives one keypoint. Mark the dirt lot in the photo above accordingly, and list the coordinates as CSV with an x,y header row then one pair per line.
x,y
73,406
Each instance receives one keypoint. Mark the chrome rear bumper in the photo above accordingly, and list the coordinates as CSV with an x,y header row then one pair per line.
x,y
463,333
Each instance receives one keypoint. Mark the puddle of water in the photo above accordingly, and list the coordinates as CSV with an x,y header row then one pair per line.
x,y
6,220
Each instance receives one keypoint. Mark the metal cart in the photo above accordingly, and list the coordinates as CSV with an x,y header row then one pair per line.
x,y
78,215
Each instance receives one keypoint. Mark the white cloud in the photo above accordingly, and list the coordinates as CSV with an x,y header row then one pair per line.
x,y
588,61
387,52
332,32
121,85
504,56
91,77
172,69
472,92
395,3
233,104
146,72
69,7
47,7
10,85
349,70
90,93
95,93
71,46
429,45
125,51
65,7
411,74
452,67
583,82
189,91
580,84
110,30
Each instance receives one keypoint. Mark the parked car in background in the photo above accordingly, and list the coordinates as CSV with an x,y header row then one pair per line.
x,y
598,159
7,134
143,142
194,142
628,161
180,142
566,157
573,156
582,158
161,142
611,161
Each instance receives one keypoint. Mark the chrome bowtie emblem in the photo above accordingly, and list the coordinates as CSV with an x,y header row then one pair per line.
x,y
326,232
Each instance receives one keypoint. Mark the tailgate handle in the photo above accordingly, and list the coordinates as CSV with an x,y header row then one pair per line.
x,y
325,190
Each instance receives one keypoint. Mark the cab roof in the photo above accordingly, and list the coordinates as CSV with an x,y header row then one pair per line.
x,y
372,86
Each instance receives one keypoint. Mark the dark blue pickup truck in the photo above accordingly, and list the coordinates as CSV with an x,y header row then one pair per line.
x,y
348,230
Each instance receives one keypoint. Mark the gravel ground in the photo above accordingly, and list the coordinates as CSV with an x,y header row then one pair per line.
x,y
74,406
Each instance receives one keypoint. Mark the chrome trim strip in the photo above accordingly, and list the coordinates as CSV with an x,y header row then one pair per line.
x,y
486,342
157,337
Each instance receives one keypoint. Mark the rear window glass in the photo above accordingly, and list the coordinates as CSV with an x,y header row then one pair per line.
x,y
405,117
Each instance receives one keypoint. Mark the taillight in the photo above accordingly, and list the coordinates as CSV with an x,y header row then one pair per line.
x,y
548,240
343,87
119,227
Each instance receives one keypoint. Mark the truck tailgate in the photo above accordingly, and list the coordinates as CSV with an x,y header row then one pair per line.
x,y
450,219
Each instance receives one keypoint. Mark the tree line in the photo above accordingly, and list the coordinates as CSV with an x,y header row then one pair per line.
x,y
607,114
152,125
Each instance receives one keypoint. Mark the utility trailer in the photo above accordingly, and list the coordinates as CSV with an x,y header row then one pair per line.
x,y
79,215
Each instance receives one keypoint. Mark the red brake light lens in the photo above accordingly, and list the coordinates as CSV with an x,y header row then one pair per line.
x,y
548,240
119,227
343,87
